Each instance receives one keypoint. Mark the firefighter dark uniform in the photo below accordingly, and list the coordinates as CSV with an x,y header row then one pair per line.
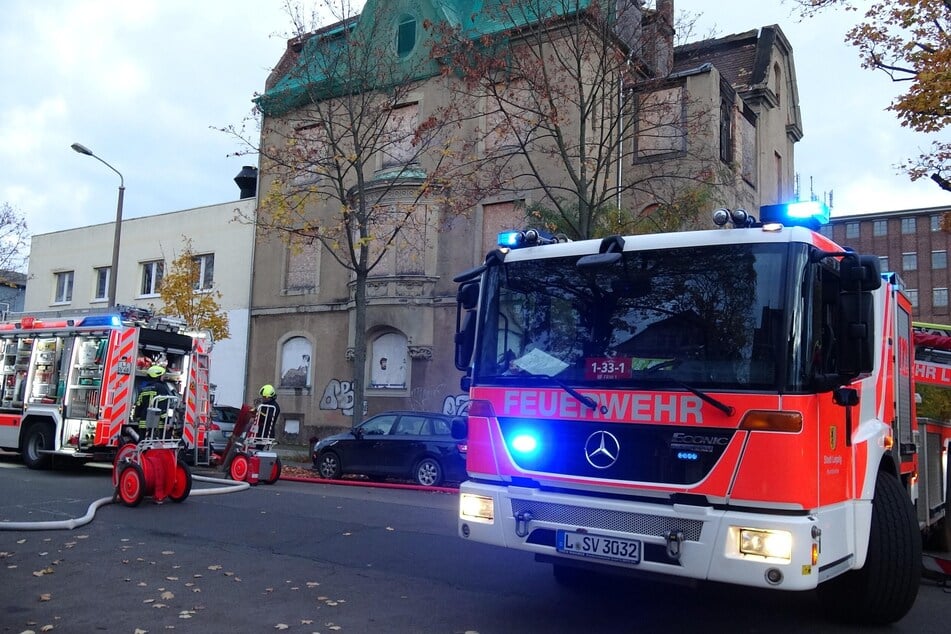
x,y
268,411
151,387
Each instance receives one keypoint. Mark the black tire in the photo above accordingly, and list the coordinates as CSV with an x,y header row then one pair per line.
x,y
275,473
428,472
131,487
38,436
328,465
883,590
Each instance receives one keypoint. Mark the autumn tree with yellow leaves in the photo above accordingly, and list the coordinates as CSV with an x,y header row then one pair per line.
x,y
909,40
184,298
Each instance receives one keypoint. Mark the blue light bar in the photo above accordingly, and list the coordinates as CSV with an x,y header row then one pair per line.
x,y
101,320
807,213
510,238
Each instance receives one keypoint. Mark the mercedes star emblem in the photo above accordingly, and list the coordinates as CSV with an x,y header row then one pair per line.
x,y
602,449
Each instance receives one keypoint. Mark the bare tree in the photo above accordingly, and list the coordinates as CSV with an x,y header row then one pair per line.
x,y
14,236
581,114
350,162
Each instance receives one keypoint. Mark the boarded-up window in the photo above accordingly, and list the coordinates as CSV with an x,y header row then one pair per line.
x,y
309,150
389,361
747,140
499,217
508,119
404,254
300,274
660,123
401,128
296,363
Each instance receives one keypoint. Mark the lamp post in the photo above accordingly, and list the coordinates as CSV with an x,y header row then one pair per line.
x,y
114,271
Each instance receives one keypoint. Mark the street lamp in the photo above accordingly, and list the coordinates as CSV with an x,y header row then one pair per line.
x,y
114,271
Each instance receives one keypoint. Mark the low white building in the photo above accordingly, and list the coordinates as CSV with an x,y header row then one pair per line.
x,y
69,271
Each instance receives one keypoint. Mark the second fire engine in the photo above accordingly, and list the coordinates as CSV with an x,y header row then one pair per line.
x,y
70,384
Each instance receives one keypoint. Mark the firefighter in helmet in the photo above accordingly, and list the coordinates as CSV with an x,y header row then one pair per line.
x,y
267,410
151,386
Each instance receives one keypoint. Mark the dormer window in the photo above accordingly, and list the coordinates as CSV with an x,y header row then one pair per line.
x,y
405,35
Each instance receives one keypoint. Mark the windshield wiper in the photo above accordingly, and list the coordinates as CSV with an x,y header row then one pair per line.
x,y
585,400
720,405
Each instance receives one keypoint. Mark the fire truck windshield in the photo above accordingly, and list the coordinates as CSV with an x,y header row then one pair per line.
x,y
709,317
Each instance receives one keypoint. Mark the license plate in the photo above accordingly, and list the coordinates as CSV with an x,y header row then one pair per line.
x,y
599,546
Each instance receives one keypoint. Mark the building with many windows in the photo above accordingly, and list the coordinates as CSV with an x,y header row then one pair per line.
x,y
69,273
910,243
724,109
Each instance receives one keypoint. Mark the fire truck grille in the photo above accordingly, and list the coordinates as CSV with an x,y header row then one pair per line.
x,y
620,521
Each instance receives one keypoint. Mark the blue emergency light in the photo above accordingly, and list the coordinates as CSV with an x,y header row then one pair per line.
x,y
101,320
806,213
527,238
510,239
525,443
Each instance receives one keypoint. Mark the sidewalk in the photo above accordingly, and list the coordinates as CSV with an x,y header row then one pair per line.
x,y
293,455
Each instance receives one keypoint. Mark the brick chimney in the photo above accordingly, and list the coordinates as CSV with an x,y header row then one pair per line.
x,y
658,32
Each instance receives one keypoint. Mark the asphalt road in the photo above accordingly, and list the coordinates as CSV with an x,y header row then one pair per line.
x,y
306,557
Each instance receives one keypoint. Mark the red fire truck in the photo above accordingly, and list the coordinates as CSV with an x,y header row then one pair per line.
x,y
69,384
736,405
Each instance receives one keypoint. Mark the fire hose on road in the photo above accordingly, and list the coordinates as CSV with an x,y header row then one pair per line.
x,y
228,487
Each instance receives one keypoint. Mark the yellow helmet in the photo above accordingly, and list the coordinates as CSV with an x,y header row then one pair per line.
x,y
155,371
267,391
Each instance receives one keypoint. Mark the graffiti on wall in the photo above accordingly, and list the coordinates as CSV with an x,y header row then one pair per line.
x,y
338,395
456,405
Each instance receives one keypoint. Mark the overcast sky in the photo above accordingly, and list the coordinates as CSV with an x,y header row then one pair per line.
x,y
144,84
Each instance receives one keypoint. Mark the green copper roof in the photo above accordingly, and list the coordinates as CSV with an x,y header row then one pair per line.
x,y
360,54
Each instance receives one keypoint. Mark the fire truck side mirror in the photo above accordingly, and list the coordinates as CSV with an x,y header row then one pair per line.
x,y
467,298
860,273
460,428
465,340
855,347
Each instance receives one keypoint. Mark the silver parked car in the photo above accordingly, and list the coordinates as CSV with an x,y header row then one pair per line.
x,y
223,418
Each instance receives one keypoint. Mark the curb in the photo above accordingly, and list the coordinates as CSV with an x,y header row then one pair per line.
x,y
375,485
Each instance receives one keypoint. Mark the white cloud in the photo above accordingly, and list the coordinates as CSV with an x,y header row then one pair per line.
x,y
143,83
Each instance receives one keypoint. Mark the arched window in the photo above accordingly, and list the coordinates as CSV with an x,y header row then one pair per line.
x,y
296,362
389,362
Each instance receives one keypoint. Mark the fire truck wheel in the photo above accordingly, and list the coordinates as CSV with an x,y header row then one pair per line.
x,y
885,588
121,461
183,482
238,470
428,473
275,473
328,465
38,436
131,485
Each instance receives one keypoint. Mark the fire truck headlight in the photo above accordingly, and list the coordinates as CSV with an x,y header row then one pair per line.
x,y
476,508
763,543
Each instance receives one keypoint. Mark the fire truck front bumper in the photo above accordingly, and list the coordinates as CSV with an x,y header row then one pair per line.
x,y
634,537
